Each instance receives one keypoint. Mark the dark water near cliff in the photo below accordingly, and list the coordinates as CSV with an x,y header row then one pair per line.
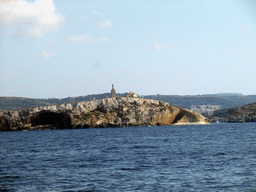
x,y
217,157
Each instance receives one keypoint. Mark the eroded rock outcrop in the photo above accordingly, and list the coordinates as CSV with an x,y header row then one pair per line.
x,y
109,112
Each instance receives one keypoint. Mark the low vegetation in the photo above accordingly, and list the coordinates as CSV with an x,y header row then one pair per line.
x,y
88,115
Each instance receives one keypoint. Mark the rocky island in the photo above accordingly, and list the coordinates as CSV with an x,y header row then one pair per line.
x,y
126,111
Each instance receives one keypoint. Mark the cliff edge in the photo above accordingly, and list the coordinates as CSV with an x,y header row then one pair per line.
x,y
109,112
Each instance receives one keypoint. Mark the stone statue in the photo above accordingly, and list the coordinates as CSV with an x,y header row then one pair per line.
x,y
113,91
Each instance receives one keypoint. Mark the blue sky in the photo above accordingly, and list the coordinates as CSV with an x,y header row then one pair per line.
x,y
53,48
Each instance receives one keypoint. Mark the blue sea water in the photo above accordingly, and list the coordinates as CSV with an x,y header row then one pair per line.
x,y
216,157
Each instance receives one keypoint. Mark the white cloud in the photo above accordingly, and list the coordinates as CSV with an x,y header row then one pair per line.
x,y
159,47
32,19
97,13
81,38
103,39
107,23
86,38
46,55
50,41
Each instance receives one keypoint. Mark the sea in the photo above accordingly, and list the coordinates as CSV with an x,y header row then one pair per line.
x,y
214,157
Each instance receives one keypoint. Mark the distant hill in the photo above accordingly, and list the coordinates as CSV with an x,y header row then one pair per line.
x,y
10,103
245,113
223,100
226,94
198,102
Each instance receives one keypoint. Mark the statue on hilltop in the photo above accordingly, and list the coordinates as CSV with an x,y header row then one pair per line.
x,y
113,92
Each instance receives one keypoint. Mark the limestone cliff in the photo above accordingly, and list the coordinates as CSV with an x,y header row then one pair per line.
x,y
109,112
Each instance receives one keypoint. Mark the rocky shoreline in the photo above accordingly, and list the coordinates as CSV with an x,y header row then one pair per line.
x,y
109,112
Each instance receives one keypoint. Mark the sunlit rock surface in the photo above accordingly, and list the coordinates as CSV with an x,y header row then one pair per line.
x,y
130,110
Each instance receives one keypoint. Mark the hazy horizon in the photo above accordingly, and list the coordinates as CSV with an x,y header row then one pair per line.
x,y
53,48
124,93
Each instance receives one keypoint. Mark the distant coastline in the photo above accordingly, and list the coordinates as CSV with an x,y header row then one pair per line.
x,y
200,103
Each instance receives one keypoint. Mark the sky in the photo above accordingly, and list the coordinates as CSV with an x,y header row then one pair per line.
x,y
60,48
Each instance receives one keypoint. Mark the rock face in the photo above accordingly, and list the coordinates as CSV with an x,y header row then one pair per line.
x,y
109,112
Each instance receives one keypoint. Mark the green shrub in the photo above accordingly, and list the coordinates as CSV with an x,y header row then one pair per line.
x,y
160,104
86,116
66,111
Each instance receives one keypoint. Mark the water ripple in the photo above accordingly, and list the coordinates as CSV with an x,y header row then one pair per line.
x,y
219,157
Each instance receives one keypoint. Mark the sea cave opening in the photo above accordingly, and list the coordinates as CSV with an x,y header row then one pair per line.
x,y
49,118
